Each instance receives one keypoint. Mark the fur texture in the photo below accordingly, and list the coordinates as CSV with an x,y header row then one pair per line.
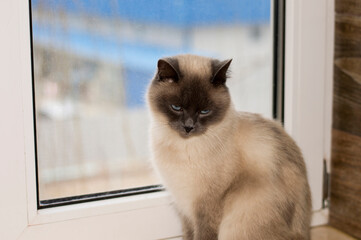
x,y
234,175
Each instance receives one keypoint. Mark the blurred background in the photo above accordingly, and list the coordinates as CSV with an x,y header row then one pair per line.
x,y
93,61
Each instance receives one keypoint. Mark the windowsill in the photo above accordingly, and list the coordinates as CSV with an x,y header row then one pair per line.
x,y
103,207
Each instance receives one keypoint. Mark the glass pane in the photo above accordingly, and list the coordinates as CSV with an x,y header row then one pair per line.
x,y
93,61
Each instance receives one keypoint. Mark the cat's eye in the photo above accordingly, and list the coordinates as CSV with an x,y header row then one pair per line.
x,y
204,111
176,108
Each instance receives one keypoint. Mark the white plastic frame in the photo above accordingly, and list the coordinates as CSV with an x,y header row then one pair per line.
x,y
309,82
309,25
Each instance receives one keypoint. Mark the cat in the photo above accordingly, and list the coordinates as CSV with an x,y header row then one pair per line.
x,y
233,175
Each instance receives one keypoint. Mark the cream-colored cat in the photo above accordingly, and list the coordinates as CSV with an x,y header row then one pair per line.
x,y
233,175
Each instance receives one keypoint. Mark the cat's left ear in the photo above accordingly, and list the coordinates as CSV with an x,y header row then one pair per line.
x,y
220,69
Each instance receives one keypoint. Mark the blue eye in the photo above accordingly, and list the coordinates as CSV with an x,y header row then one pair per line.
x,y
204,111
176,108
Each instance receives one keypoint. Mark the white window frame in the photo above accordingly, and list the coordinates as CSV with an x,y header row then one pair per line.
x,y
309,44
308,104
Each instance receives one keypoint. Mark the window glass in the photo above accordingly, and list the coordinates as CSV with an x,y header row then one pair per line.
x,y
93,61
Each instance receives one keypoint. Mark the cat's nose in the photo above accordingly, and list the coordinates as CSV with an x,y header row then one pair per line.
x,y
188,125
188,129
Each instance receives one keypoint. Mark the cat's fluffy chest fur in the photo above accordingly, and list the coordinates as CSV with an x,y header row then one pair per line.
x,y
191,168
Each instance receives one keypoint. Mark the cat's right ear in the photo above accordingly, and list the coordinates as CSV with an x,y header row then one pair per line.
x,y
220,71
168,70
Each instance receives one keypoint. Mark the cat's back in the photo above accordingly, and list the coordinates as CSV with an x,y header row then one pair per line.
x,y
272,158
272,188
261,136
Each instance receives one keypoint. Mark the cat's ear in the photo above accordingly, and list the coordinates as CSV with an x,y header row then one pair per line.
x,y
220,69
168,70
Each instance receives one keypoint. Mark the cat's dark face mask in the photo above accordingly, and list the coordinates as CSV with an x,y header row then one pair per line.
x,y
191,104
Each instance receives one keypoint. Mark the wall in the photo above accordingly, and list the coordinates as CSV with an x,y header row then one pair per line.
x,y
345,208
